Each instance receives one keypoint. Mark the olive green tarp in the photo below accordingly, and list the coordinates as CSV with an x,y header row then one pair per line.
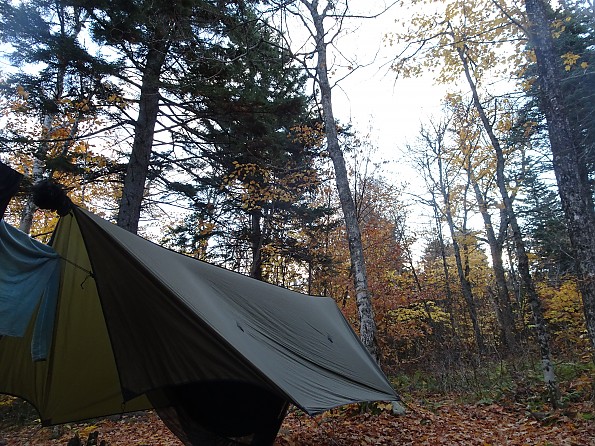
x,y
136,323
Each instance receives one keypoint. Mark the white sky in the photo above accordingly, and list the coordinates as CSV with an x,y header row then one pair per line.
x,y
374,101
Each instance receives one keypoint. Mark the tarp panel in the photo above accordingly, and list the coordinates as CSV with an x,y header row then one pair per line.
x,y
23,378
157,340
83,381
300,343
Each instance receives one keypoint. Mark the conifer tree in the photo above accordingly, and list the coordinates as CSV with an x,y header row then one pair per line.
x,y
575,195
56,87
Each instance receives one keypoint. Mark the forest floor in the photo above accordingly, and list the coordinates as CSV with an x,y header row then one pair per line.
x,y
432,420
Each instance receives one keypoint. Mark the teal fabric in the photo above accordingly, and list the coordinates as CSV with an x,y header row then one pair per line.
x,y
29,280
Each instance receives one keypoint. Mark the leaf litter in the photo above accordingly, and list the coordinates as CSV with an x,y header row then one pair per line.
x,y
427,422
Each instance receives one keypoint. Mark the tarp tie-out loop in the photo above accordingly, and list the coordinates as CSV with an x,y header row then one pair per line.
x,y
89,272
83,282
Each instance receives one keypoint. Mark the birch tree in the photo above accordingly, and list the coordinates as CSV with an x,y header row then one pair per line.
x,y
315,17
362,295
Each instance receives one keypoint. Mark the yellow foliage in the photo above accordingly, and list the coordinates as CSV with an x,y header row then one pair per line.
x,y
558,27
255,185
308,135
22,93
85,431
569,60
420,312
563,304
436,37
564,312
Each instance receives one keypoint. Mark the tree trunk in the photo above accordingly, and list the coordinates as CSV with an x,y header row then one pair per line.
x,y
528,286
463,278
574,194
465,284
37,173
142,146
447,289
61,76
256,238
504,312
364,303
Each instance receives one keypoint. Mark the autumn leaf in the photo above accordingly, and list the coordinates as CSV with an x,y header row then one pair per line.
x,y
569,59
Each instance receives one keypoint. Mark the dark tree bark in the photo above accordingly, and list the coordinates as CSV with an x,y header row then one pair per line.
x,y
256,239
445,269
574,194
463,277
504,312
144,131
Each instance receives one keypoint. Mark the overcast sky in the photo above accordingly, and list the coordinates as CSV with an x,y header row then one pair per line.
x,y
374,101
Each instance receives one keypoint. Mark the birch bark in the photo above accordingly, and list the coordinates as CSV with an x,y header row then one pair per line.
x,y
363,298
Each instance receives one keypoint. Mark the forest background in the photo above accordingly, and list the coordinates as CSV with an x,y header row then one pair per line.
x,y
209,127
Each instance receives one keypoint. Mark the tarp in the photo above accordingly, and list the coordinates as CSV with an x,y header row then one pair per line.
x,y
140,326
